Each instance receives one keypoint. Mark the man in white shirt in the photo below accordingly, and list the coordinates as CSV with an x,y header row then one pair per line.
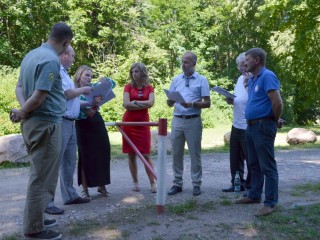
x,y
68,155
187,123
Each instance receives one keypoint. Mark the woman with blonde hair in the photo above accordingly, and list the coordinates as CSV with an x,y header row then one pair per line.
x,y
93,142
138,97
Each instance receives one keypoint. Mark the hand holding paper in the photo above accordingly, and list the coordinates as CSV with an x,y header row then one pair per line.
x,y
174,96
223,92
101,93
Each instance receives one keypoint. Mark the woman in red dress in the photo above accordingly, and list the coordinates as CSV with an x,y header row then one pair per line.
x,y
137,98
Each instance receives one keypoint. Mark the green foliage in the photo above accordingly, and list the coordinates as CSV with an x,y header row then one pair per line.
x,y
219,111
295,42
25,24
110,35
8,81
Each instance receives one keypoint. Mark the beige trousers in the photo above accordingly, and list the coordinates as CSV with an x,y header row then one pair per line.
x,y
43,142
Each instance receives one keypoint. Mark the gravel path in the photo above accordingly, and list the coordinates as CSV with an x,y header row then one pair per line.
x,y
117,219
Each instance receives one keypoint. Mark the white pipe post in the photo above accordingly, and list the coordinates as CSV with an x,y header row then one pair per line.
x,y
161,166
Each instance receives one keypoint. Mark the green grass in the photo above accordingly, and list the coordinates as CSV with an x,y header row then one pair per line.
x,y
301,189
298,223
183,208
7,164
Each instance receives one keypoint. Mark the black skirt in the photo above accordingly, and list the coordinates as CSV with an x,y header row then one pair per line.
x,y
93,151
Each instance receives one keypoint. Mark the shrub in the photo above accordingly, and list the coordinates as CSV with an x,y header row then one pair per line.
x,y
112,111
8,81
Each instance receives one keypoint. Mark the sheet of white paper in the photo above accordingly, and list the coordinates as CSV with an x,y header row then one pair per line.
x,y
174,96
104,89
223,92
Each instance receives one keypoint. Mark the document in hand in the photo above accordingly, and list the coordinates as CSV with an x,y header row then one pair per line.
x,y
174,96
103,89
223,92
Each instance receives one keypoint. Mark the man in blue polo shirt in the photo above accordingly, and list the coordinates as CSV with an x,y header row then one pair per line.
x,y
40,95
187,123
263,111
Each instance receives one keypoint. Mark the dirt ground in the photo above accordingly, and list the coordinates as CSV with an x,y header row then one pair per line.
x,y
131,215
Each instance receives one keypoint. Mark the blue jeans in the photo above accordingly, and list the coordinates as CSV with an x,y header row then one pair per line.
x,y
260,144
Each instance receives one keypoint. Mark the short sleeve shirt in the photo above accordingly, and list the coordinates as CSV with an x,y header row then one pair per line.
x,y
259,104
40,70
192,89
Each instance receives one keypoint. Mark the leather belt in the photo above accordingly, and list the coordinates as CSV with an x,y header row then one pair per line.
x,y
254,121
187,116
69,119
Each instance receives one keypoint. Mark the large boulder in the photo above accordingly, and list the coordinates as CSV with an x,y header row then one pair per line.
x,y
13,149
154,141
301,136
226,138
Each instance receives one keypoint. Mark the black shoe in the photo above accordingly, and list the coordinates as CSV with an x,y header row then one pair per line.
x,y
174,190
54,210
230,189
196,190
47,234
78,200
50,222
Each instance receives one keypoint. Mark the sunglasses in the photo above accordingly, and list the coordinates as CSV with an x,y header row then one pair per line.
x,y
187,82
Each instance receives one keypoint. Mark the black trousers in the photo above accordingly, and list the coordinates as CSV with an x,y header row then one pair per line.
x,y
238,153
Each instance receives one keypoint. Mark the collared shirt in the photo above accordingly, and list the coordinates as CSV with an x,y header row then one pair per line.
x,y
239,105
259,104
192,89
40,70
73,105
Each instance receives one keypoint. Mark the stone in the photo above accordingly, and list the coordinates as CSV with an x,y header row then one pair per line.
x,y
154,141
226,138
300,136
13,149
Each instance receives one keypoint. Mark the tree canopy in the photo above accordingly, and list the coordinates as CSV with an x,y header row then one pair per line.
x,y
112,34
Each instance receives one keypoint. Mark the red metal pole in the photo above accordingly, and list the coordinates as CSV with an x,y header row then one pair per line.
x,y
136,123
135,149
162,130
